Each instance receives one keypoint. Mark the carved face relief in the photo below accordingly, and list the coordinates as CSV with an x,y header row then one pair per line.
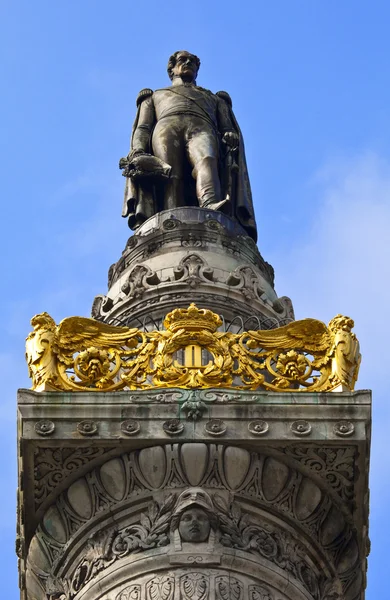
x,y
194,525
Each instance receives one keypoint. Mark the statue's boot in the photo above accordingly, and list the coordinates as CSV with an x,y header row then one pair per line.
x,y
216,205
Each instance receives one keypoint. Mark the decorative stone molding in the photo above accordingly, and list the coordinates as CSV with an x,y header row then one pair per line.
x,y
159,260
262,480
54,465
301,427
258,427
173,427
282,513
130,427
44,427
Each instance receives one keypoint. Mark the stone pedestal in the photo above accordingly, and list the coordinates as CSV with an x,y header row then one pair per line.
x,y
189,255
193,495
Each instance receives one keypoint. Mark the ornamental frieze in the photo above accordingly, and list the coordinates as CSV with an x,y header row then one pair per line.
x,y
82,354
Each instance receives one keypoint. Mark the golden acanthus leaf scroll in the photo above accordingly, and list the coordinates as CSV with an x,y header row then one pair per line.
x,y
82,354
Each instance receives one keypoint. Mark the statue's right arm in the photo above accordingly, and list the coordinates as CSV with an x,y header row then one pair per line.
x,y
144,125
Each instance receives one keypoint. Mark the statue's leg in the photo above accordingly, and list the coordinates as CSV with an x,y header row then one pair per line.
x,y
202,148
168,144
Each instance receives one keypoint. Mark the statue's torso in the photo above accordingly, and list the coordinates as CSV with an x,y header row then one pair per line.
x,y
185,99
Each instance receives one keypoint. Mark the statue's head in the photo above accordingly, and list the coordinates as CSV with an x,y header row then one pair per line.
x,y
194,516
183,64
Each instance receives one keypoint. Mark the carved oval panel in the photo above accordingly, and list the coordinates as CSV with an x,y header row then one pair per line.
x,y
38,558
79,498
194,458
236,463
53,524
332,526
308,498
34,587
275,477
349,556
113,478
152,463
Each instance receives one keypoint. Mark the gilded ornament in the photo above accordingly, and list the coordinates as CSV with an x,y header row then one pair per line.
x,y
82,354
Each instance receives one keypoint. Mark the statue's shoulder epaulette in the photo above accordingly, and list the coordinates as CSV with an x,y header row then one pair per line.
x,y
225,96
146,93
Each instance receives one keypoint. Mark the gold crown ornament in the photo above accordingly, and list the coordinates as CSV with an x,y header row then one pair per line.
x,y
192,319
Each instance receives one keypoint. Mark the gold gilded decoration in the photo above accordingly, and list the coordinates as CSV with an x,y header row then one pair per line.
x,y
82,354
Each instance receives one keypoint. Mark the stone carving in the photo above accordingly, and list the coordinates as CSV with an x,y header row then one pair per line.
x,y
173,427
247,280
87,427
259,592
344,428
215,427
194,525
193,408
160,588
301,427
44,427
170,224
130,427
194,518
194,586
203,473
301,356
335,465
53,465
139,279
180,130
278,547
228,588
106,547
132,592
258,427
193,271
192,241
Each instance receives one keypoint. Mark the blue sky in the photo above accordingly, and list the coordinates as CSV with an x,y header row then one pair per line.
x,y
309,81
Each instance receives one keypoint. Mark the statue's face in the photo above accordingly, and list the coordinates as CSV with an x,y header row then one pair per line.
x,y
185,67
194,525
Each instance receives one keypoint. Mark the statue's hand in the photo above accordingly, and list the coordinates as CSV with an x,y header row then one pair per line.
x,y
123,162
231,138
135,153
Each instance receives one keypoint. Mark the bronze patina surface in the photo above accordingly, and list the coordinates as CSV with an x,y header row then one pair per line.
x,y
186,150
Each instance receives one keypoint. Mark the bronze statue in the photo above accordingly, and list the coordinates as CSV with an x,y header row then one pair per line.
x,y
186,150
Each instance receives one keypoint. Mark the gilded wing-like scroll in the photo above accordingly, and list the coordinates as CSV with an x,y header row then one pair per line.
x,y
79,333
310,334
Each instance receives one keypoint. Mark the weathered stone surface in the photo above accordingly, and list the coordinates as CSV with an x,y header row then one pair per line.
x,y
284,516
189,255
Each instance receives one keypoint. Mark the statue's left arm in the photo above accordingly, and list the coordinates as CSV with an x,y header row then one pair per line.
x,y
225,124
